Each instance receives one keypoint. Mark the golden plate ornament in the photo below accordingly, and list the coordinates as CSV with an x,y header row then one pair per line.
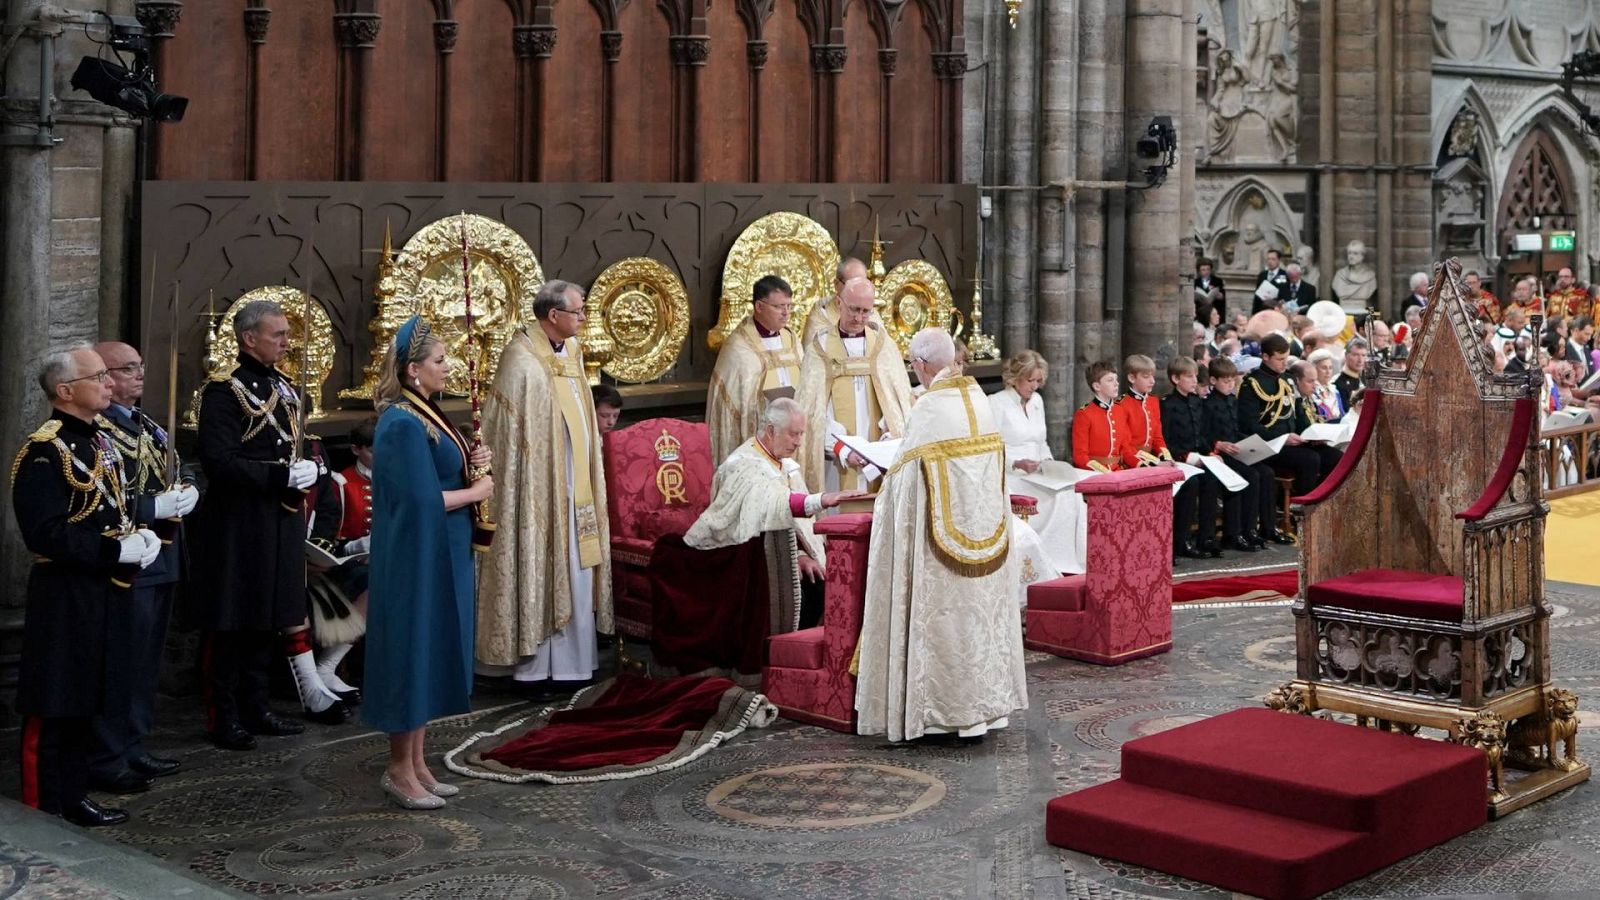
x,y
293,301
643,307
915,296
786,244
505,277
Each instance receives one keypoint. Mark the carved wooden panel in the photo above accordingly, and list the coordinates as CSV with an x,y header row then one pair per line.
x,y
229,237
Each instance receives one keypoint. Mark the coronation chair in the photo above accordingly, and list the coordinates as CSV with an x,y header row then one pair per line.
x,y
658,482
1422,566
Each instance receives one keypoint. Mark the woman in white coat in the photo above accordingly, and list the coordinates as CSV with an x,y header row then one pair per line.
x,y
1063,518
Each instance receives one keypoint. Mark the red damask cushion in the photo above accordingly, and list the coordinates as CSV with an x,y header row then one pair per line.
x,y
1394,591
797,649
1064,594
653,524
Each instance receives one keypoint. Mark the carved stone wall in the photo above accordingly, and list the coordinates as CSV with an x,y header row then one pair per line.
x,y
1252,105
229,237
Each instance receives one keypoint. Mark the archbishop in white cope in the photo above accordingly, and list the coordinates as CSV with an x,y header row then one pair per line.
x,y
941,646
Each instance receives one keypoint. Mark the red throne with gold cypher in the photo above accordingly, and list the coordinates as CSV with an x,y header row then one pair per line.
x,y
808,672
658,482
1422,571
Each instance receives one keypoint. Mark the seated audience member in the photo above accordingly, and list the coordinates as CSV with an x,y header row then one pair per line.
x,y
1307,413
1579,337
1326,397
1405,334
1061,517
1139,416
1183,418
1382,342
1248,515
1096,442
607,406
1268,408
1348,381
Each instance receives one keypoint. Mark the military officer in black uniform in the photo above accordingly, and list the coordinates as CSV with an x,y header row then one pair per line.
x,y
138,627
1268,407
252,564
70,501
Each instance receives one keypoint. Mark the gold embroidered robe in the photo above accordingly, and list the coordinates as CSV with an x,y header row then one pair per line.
x,y
746,371
827,382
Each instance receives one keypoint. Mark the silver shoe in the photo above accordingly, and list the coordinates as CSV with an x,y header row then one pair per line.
x,y
440,789
405,801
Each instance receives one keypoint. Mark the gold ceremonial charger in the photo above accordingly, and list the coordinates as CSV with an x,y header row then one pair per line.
x,y
641,305
915,296
293,302
427,280
785,244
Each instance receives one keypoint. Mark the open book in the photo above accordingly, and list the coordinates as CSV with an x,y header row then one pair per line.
x,y
1565,418
1230,479
1591,383
1253,449
880,453
320,557
1054,475
1336,434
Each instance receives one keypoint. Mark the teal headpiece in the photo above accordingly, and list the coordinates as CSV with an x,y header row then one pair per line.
x,y
412,334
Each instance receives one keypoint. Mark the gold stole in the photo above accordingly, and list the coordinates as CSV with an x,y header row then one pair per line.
x,y
773,360
843,369
566,379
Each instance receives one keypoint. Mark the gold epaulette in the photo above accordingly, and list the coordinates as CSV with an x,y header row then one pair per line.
x,y
48,431
221,376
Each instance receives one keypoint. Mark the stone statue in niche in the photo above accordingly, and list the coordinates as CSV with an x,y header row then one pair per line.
x,y
1307,258
1265,23
1463,134
1354,285
1252,248
1226,103
1280,111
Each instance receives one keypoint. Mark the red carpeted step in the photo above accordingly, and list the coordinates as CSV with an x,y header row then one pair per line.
x,y
1228,846
1326,772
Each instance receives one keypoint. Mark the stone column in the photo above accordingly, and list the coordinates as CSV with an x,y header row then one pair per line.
x,y
1058,163
1021,169
1157,85
1099,154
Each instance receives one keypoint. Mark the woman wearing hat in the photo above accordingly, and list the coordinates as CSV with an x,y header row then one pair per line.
x,y
422,591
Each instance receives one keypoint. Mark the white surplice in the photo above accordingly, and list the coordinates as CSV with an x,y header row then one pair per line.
x,y
1063,518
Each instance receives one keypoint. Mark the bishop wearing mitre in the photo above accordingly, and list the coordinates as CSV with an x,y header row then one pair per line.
x,y
854,385
758,363
544,586
941,645
824,315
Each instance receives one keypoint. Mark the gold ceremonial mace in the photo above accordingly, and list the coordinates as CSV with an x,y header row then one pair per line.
x,y
483,525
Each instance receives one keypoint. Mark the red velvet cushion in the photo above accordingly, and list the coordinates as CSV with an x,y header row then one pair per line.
x,y
797,649
1064,594
1392,591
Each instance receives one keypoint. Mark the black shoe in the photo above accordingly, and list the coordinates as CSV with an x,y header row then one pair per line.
x,y
273,725
154,766
1189,551
1278,537
232,736
1256,541
88,814
351,697
1242,544
126,781
337,714
1211,549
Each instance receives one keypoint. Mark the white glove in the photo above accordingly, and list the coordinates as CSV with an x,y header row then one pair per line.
x,y
152,546
167,504
302,474
358,546
188,499
130,549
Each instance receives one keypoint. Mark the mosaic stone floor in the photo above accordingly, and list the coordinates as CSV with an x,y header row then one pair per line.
x,y
796,811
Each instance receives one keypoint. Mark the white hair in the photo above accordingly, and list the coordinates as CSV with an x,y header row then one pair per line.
x,y
58,367
1293,268
781,413
1323,353
1419,279
934,347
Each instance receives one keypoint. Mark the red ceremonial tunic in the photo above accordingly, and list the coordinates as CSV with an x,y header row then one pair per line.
x,y
1139,420
1096,436
357,505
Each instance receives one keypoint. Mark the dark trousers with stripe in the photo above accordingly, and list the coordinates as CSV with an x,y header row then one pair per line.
x,y
55,761
138,634
234,666
1254,508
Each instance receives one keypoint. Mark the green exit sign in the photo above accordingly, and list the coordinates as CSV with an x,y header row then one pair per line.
x,y
1561,241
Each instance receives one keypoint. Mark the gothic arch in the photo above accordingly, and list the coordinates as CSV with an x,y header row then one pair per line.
x,y
1538,183
1248,200
1467,97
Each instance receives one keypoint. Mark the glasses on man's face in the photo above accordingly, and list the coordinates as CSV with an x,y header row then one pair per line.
x,y
780,307
575,313
102,376
129,370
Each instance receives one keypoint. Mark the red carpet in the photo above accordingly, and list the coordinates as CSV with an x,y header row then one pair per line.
x,y
623,728
1257,588
1275,805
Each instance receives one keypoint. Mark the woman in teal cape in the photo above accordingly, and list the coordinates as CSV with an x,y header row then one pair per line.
x,y
422,590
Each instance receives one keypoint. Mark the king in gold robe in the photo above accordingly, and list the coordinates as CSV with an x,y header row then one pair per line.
x,y
758,362
854,383
544,586
941,642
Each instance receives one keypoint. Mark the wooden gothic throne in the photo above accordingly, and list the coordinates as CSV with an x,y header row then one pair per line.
x,y
1422,571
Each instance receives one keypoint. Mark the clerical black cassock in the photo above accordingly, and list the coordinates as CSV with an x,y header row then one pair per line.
x,y
1254,505
67,495
133,660
1268,407
1183,427
251,562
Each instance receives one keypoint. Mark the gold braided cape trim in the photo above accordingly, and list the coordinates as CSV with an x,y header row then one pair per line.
x,y
406,407
1283,399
